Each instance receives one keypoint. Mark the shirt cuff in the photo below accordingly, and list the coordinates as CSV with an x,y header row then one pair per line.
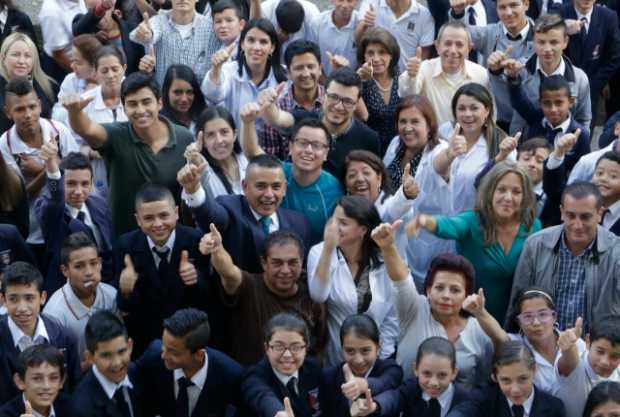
x,y
54,175
554,162
196,199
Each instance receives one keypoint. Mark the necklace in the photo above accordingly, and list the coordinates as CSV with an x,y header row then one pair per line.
x,y
386,89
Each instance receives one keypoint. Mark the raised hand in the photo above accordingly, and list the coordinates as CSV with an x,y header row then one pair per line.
x,y
512,67
128,278
187,270
337,61
565,143
365,71
573,26
458,143
498,59
74,103
383,235
412,229
330,233
288,409
220,57
148,61
49,154
353,386
410,186
414,63
569,337
27,409
363,406
193,151
474,303
189,176
250,112
507,145
30,165
369,17
211,241
144,33
458,6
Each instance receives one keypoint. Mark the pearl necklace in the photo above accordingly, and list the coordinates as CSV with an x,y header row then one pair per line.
x,y
385,90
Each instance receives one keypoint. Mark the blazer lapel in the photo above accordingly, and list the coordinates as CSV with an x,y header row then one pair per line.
x,y
257,231
146,258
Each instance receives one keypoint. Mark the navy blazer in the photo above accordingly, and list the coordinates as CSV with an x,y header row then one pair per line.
x,y
58,337
264,394
535,8
599,54
15,407
386,374
152,300
90,400
495,404
57,223
18,21
13,247
217,398
408,399
242,234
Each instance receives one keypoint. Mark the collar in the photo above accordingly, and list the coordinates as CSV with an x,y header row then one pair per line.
x,y
289,95
73,212
174,24
351,24
4,15
273,217
478,8
445,399
614,210
52,412
569,72
413,9
538,188
45,132
591,249
172,137
564,125
169,243
17,334
587,15
344,132
199,377
108,386
527,404
523,32
75,306
98,103
560,70
285,378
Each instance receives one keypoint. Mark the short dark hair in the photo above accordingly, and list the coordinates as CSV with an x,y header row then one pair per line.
x,y
37,355
283,237
137,81
436,345
264,161
313,124
347,77
613,156
110,50
21,273
287,322
300,47
608,328
73,242
19,86
87,45
548,22
453,263
221,5
532,144
529,293
374,162
75,161
102,327
583,189
192,326
151,192
602,393
554,83
384,38
290,16
514,351
361,325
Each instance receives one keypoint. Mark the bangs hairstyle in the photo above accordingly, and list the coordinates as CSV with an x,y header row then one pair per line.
x,y
484,199
273,60
511,352
452,263
192,326
602,393
286,322
313,124
76,161
384,38
608,328
532,144
549,22
612,156
362,326
37,355
74,242
375,163
21,273
183,73
301,47
110,50
102,327
530,293
221,5
425,107
365,214
439,346
87,45
137,81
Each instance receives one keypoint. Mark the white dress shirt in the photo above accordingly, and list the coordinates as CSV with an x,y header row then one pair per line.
x,y
338,41
587,16
193,391
22,341
110,387
612,216
444,399
214,185
56,19
527,404
168,245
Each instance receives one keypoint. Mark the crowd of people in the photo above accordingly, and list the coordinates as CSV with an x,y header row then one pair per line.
x,y
245,208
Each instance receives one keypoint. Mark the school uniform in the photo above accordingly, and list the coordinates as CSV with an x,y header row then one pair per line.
x,y
16,408
611,218
13,341
385,374
214,390
97,396
159,290
538,404
409,400
13,247
263,391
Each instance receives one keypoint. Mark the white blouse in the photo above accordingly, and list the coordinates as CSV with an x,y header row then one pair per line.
x,y
214,185
341,296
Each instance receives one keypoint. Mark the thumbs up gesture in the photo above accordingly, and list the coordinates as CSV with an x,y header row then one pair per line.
x,y
410,186
498,59
414,63
187,270
220,57
27,409
288,409
353,386
474,303
337,61
365,71
128,278
148,61
507,145
74,103
210,242
458,6
569,337
144,32
383,235
565,143
369,17
458,143
49,154
363,406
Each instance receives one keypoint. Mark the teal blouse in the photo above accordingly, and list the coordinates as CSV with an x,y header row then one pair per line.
x,y
494,268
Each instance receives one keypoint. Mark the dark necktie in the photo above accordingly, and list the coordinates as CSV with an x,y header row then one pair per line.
x,y
552,134
516,37
182,403
163,261
121,402
473,55
81,217
433,408
518,410
265,222
583,32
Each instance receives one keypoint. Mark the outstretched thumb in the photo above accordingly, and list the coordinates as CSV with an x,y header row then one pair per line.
x,y
288,408
517,136
214,230
457,130
407,171
184,256
418,52
577,133
348,374
27,407
146,19
128,262
578,326
508,50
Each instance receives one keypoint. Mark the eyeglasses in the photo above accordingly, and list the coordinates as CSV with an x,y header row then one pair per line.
x,y
347,103
543,316
280,348
316,146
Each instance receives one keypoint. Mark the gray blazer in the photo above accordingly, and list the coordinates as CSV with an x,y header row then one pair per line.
x,y
539,264
580,90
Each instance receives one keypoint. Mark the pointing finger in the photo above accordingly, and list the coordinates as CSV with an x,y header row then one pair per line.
x,y
418,52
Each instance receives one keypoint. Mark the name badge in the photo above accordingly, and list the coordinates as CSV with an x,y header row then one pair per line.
x,y
410,26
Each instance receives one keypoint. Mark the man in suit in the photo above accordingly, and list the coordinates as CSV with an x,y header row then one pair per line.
x,y
596,47
245,220
163,270
106,390
70,207
23,295
13,247
181,377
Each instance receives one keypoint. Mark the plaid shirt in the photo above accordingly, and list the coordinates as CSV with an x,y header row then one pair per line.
x,y
170,48
272,140
570,285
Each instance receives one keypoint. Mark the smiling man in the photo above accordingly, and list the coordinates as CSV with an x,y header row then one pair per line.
x,y
146,148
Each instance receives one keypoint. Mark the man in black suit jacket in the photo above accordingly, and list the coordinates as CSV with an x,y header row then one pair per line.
x,y
186,378
163,269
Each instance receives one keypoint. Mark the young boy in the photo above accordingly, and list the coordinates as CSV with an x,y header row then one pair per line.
x,y
106,389
84,293
607,179
578,375
24,326
532,155
39,376
553,119
228,22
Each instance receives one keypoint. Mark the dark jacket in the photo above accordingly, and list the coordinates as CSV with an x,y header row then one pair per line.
x,y
15,407
18,21
495,404
13,247
90,400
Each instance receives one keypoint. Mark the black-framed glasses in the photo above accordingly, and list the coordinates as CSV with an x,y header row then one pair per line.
x,y
281,348
347,102
316,146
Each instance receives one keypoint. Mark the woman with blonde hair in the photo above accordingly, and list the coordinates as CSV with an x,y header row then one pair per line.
x,y
492,235
19,58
